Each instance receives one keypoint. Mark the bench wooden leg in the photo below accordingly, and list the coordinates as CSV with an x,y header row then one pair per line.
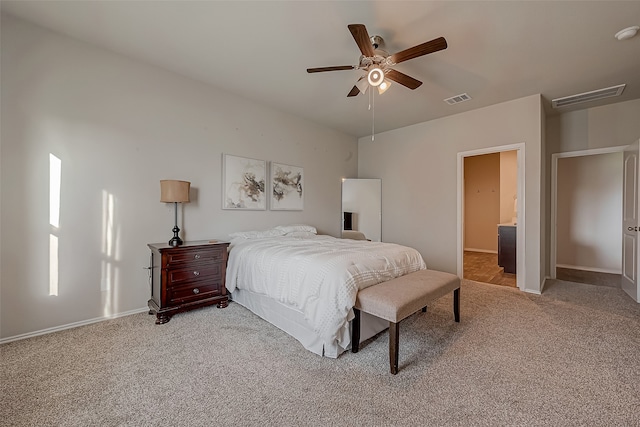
x,y
456,305
394,341
355,331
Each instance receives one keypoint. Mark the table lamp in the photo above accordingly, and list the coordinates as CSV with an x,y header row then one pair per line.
x,y
172,191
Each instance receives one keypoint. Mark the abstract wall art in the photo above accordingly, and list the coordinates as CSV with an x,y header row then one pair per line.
x,y
243,183
287,187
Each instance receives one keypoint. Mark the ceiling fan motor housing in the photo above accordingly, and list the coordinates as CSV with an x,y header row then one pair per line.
x,y
379,59
377,41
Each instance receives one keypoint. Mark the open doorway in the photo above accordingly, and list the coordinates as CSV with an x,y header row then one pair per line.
x,y
490,198
586,216
490,217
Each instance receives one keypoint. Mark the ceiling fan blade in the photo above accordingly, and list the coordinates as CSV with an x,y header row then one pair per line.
x,y
337,68
361,36
354,92
422,49
403,79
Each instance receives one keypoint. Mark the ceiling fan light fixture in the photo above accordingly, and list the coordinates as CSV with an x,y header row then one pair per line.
x,y
362,84
627,33
384,86
375,76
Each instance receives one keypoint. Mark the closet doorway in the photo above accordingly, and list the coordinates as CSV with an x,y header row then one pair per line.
x,y
586,216
490,230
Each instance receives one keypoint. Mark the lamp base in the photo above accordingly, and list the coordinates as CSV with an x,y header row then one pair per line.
x,y
176,240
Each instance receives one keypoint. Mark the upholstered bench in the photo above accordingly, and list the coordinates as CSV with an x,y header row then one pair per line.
x,y
399,298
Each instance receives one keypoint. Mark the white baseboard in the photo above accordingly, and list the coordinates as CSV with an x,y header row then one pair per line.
x,y
486,251
71,325
593,269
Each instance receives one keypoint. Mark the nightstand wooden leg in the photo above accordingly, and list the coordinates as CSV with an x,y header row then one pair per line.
x,y
162,318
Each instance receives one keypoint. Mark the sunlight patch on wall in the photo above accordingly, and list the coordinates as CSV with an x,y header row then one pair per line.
x,y
53,265
107,223
109,269
55,174
105,288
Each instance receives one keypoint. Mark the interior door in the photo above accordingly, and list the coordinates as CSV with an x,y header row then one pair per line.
x,y
630,221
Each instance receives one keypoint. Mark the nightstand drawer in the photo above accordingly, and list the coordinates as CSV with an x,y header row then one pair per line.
x,y
195,292
196,273
207,254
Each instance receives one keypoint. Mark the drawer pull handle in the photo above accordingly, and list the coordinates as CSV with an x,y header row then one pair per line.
x,y
196,273
197,256
196,291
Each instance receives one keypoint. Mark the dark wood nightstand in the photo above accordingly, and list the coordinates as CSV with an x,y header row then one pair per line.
x,y
185,277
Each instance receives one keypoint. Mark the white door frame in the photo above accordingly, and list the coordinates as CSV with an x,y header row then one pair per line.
x,y
554,195
520,217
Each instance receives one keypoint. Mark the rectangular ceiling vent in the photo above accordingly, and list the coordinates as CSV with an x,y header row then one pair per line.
x,y
458,98
594,95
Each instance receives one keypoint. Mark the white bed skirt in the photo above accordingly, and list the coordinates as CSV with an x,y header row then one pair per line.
x,y
292,321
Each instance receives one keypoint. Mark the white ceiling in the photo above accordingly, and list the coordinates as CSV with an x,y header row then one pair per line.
x,y
498,50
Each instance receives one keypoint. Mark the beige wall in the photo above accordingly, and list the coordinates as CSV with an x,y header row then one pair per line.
x,y
589,212
418,167
120,126
481,202
508,185
599,127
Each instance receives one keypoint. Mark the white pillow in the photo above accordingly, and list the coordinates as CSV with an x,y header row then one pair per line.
x,y
286,229
254,234
300,234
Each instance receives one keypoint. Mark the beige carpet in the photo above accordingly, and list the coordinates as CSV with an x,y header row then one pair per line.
x,y
567,358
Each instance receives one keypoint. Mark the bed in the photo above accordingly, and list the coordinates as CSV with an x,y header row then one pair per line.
x,y
306,284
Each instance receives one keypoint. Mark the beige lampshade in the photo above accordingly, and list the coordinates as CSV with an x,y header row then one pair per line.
x,y
172,191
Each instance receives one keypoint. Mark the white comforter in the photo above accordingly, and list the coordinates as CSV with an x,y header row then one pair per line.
x,y
319,275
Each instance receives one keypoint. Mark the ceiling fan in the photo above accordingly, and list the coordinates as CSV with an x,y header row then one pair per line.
x,y
378,64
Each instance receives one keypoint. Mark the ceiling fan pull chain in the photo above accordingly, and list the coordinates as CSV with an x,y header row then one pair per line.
x,y
373,115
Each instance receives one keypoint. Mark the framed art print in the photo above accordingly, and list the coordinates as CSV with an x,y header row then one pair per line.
x,y
243,183
287,187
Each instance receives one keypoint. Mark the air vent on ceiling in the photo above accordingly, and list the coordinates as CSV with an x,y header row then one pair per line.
x,y
594,95
458,98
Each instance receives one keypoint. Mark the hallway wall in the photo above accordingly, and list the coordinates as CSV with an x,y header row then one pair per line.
x,y
481,202
508,185
491,186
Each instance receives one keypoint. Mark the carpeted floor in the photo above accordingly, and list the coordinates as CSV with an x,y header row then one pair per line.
x,y
566,358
